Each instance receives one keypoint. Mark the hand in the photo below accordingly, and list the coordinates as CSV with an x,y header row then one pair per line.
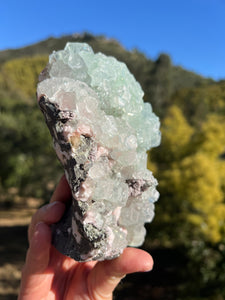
x,y
50,275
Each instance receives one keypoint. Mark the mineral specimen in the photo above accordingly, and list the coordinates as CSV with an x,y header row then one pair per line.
x,y
101,129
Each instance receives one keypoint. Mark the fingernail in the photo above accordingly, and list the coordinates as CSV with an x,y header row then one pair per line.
x,y
38,227
149,267
52,204
37,230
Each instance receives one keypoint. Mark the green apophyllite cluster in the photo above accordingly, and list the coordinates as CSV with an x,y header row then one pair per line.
x,y
101,130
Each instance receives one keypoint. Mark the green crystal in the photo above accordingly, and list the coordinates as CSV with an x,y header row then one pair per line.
x,y
94,108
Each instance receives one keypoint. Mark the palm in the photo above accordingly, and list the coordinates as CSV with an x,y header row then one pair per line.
x,y
63,278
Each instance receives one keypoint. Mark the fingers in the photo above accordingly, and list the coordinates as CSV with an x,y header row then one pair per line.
x,y
107,274
35,280
38,253
52,212
49,214
62,192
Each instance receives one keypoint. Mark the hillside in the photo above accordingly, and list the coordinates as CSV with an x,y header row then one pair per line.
x,y
180,77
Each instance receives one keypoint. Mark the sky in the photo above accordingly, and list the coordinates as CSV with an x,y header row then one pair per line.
x,y
192,32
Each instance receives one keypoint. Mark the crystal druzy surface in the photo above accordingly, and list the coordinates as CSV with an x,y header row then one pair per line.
x,y
101,129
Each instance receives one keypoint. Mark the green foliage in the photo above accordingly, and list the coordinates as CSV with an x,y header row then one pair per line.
x,y
160,84
206,269
210,136
22,74
176,137
191,212
188,175
25,149
182,79
198,195
197,103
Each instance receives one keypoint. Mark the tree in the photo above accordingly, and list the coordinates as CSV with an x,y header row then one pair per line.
x,y
176,138
190,167
22,74
160,84
190,173
198,103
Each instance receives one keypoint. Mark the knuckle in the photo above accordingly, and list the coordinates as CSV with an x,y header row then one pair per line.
x,y
36,218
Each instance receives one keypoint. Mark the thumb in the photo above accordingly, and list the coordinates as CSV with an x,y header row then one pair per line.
x,y
106,275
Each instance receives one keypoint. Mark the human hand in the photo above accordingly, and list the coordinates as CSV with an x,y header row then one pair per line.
x,y
50,275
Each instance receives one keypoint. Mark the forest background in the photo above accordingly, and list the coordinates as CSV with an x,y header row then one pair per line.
x,y
187,236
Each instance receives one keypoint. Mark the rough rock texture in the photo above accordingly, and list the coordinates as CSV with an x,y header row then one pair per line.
x,y
101,130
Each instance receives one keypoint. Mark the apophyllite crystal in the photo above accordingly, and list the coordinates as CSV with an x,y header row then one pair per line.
x,y
101,130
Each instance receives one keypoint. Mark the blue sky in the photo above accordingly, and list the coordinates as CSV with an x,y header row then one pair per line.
x,y
192,32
